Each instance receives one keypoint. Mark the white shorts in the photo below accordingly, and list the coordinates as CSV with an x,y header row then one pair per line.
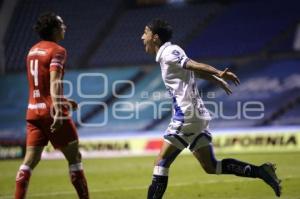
x,y
188,135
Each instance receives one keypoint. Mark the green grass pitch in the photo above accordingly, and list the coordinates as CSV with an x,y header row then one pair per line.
x,y
128,178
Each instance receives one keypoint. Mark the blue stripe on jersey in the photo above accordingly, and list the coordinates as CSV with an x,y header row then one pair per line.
x,y
179,116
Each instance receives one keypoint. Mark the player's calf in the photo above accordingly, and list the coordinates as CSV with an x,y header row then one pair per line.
x,y
236,167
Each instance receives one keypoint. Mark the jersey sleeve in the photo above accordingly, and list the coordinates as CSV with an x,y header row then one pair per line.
x,y
177,57
58,59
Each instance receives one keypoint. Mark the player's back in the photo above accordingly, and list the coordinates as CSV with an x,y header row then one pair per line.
x,y
42,58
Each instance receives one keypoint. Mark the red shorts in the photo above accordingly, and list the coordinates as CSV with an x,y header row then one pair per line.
x,y
38,133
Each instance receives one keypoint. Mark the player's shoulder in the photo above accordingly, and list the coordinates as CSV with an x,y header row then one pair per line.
x,y
49,46
47,49
168,51
58,48
173,49
52,46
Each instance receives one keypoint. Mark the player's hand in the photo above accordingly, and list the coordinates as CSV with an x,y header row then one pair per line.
x,y
71,105
57,123
227,75
225,86
74,104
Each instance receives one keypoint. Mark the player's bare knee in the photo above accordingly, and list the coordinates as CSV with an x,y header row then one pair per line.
x,y
72,153
79,156
28,162
163,162
36,161
73,158
158,159
32,157
31,161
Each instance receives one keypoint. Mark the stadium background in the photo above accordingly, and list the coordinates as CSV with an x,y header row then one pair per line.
x,y
257,39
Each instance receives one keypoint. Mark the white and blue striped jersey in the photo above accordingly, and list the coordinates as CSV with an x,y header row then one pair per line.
x,y
181,84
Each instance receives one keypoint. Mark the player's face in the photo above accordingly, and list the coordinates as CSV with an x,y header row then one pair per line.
x,y
148,40
62,29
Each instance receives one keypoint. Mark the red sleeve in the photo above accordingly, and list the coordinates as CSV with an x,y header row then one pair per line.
x,y
58,59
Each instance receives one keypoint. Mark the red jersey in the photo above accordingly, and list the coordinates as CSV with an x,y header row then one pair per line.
x,y
44,57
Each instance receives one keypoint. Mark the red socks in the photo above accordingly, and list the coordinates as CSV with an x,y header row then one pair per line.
x,y
76,174
78,180
22,181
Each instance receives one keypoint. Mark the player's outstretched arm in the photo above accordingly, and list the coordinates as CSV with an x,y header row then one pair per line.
x,y
203,68
216,80
210,70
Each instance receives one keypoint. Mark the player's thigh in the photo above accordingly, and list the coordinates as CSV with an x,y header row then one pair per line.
x,y
183,135
64,136
35,135
206,158
33,156
36,139
167,154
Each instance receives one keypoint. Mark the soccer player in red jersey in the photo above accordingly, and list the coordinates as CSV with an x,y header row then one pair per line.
x,y
47,113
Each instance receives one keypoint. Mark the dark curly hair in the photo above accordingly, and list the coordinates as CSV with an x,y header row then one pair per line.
x,y
162,28
46,24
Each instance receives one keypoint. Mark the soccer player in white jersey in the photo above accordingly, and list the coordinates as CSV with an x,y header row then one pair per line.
x,y
189,124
